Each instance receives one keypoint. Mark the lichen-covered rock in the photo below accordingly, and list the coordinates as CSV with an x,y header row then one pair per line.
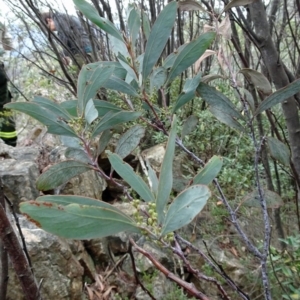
x,y
18,179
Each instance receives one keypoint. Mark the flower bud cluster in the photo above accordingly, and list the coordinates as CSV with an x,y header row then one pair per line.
x,y
150,221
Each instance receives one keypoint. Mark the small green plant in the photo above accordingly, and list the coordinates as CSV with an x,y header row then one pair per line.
x,y
287,268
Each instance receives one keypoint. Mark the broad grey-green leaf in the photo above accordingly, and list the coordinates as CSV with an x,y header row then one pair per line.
x,y
128,68
90,113
188,92
192,83
279,151
129,140
112,119
134,180
217,100
103,107
90,81
76,221
118,47
158,37
70,141
116,84
226,119
53,107
70,106
260,82
235,3
158,78
91,13
272,199
77,154
60,174
210,171
170,59
134,24
279,96
189,125
185,207
55,124
146,25
166,175
81,200
104,140
183,99
190,54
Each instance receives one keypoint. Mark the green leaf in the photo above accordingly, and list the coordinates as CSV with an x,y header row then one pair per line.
x,y
166,175
118,47
103,107
90,81
55,124
70,106
235,3
129,140
104,140
69,141
226,119
91,13
60,174
112,119
279,151
188,92
185,207
146,25
77,154
170,59
134,24
183,99
190,85
90,113
128,68
73,199
260,82
218,100
55,108
158,37
210,171
158,78
75,221
116,84
134,180
189,125
279,96
272,199
190,54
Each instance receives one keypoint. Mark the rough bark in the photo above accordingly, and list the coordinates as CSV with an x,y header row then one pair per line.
x,y
278,75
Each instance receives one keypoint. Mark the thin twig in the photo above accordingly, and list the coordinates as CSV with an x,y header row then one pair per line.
x,y
136,274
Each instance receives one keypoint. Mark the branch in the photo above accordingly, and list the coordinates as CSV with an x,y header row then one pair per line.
x,y
187,286
17,258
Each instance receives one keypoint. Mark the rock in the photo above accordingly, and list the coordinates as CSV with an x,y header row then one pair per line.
x,y
55,267
19,153
159,286
18,178
155,156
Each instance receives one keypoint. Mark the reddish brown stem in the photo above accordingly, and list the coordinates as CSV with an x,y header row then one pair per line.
x,y
191,290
